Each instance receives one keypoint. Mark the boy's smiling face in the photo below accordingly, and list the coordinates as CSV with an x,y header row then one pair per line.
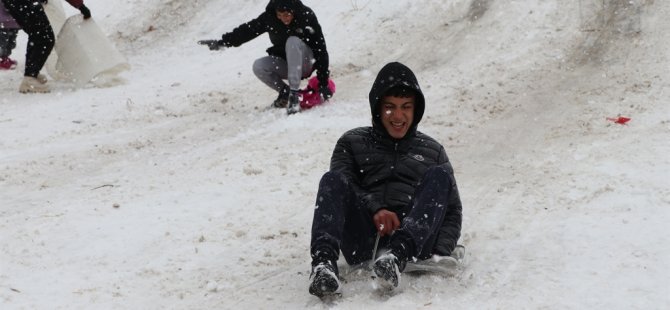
x,y
397,115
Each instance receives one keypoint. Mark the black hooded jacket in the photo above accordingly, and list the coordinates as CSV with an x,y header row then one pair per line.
x,y
304,26
385,171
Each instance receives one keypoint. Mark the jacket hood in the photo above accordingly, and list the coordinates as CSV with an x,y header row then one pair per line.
x,y
391,75
284,5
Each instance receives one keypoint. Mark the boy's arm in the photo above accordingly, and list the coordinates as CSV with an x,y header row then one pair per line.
x,y
245,32
343,161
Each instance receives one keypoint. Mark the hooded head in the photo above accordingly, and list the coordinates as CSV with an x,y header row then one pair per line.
x,y
284,10
284,5
395,75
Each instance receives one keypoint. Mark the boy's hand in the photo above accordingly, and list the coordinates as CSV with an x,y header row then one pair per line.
x,y
386,222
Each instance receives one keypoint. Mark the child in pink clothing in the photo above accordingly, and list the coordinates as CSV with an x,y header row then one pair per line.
x,y
8,31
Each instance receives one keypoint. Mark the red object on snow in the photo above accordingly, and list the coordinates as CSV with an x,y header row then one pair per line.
x,y
310,94
619,120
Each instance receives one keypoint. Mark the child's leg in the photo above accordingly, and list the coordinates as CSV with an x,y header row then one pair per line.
x,y
7,41
32,19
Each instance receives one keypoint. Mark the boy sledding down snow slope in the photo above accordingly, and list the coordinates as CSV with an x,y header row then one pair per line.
x,y
387,180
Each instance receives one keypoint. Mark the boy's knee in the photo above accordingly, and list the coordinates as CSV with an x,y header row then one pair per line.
x,y
441,172
293,40
437,170
334,177
293,43
258,67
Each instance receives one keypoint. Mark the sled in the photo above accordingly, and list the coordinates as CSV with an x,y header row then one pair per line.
x,y
85,54
56,15
310,94
440,265
82,52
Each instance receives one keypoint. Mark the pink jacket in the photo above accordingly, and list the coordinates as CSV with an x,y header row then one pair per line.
x,y
6,20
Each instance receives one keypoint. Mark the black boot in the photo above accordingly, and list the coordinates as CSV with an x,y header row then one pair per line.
x,y
293,102
282,99
388,266
325,280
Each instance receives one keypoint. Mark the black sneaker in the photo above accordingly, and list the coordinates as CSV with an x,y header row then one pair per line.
x,y
325,280
293,102
387,269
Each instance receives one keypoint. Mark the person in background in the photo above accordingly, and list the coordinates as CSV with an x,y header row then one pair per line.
x,y
8,32
388,184
298,49
30,16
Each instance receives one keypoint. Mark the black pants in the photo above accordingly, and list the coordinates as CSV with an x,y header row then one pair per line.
x,y
341,224
7,41
30,15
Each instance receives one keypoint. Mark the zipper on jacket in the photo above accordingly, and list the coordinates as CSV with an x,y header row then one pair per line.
x,y
395,157
393,170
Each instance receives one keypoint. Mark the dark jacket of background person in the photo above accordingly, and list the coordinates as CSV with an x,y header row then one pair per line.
x,y
304,26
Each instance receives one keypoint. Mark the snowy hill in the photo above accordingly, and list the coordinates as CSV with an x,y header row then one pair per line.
x,y
177,190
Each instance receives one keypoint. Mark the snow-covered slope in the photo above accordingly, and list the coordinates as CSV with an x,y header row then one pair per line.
x,y
177,190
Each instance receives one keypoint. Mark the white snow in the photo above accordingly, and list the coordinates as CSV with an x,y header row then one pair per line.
x,y
176,190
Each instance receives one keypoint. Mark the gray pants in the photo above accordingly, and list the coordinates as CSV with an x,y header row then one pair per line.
x,y
273,70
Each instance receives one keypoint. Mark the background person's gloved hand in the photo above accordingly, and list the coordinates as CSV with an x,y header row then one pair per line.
x,y
325,92
214,45
84,11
